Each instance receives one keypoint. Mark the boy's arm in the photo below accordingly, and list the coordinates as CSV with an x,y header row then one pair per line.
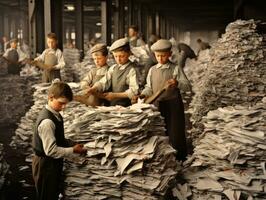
x,y
41,57
147,91
60,60
46,131
87,81
105,82
132,82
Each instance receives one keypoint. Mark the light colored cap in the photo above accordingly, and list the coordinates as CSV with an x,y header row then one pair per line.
x,y
98,48
119,43
161,45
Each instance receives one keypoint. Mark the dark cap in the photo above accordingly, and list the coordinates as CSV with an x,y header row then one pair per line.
x,y
161,45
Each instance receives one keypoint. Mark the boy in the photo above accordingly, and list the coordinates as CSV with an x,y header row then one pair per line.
x,y
134,39
52,58
12,57
49,143
170,102
185,52
121,78
202,45
99,54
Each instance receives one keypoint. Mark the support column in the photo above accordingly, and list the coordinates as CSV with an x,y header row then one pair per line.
x,y
6,26
47,14
79,27
130,12
1,26
157,23
32,27
56,11
39,25
106,29
119,21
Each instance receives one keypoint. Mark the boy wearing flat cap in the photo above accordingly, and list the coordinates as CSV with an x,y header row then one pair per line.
x,y
121,78
99,54
170,104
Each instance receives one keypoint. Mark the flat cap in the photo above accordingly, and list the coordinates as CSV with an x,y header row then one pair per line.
x,y
13,40
98,48
119,43
161,45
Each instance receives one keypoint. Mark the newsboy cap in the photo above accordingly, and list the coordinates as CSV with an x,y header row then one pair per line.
x,y
161,45
99,48
123,42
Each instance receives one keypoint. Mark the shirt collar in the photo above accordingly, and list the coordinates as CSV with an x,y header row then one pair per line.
x,y
124,65
56,114
163,66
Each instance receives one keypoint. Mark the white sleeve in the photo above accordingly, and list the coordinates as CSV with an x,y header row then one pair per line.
x,y
46,131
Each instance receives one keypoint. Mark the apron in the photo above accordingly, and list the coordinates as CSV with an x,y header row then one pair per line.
x,y
49,75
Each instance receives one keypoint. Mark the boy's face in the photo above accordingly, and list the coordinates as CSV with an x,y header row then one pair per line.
x,y
162,57
99,59
132,32
13,45
51,43
121,57
57,104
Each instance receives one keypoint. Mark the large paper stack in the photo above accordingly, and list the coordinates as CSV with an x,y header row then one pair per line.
x,y
235,73
229,160
128,155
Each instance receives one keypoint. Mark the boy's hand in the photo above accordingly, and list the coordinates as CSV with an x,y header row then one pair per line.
x,y
136,97
78,148
172,83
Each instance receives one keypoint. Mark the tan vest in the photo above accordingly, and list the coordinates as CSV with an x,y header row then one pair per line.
x,y
159,77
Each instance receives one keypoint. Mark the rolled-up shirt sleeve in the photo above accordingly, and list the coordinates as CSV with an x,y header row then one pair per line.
x,y
6,53
41,57
132,83
46,131
87,81
105,82
147,91
60,60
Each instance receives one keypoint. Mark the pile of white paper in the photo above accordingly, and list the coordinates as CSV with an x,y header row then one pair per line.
x,y
229,159
128,155
233,72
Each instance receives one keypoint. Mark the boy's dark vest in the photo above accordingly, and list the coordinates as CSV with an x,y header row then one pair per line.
x,y
59,132
14,67
119,84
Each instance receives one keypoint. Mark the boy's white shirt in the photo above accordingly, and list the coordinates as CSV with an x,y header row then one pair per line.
x,y
58,53
105,83
46,130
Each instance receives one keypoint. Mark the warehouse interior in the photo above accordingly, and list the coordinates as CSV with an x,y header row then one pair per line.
x,y
224,112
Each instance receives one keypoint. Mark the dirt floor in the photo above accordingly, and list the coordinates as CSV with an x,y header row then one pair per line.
x,y
19,183
15,101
